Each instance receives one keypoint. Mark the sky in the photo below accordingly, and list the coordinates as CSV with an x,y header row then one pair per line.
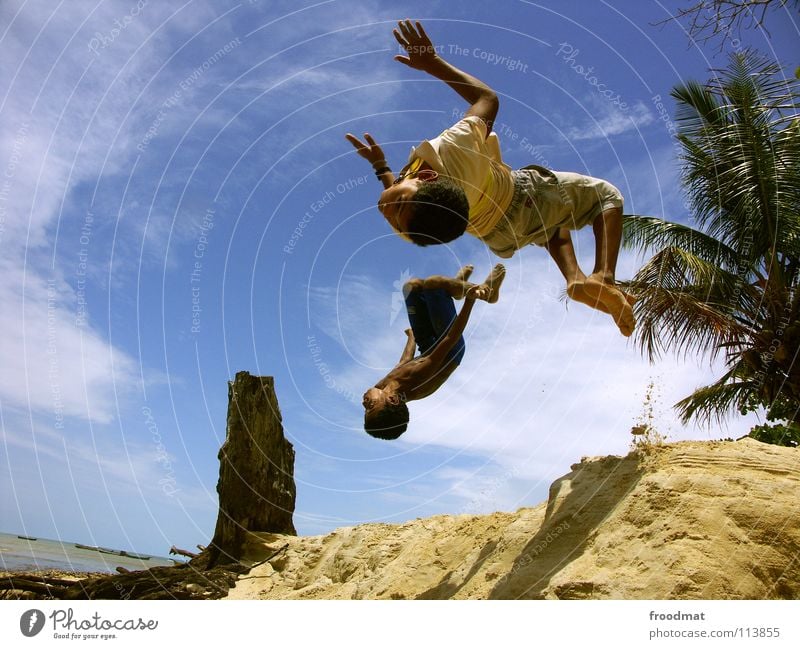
x,y
178,203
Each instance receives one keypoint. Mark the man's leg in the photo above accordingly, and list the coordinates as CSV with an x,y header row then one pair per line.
x,y
600,286
563,253
440,312
418,317
607,238
457,287
595,291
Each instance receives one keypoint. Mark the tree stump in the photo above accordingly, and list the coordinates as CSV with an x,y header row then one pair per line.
x,y
256,473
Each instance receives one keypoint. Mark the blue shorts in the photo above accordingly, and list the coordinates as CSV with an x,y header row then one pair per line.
x,y
431,312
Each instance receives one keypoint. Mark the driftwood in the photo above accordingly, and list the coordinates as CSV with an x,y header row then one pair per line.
x,y
36,584
185,553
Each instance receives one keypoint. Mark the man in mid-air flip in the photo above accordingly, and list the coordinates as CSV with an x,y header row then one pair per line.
x,y
458,182
437,332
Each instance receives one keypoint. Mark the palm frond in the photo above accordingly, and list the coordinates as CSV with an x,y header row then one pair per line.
x,y
689,305
713,402
731,284
647,232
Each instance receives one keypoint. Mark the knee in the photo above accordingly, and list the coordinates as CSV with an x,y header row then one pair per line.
x,y
414,284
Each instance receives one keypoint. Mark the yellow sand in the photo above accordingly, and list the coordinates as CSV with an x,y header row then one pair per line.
x,y
711,520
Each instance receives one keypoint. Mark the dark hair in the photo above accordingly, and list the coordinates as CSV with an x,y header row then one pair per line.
x,y
389,422
440,213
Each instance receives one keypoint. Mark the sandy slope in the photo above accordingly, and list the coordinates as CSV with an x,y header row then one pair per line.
x,y
688,520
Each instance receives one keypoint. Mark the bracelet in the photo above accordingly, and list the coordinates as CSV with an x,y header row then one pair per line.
x,y
381,171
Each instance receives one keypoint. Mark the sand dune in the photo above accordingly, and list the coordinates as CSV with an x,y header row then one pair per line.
x,y
712,520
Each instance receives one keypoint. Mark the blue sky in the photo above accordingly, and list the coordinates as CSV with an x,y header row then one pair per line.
x,y
178,203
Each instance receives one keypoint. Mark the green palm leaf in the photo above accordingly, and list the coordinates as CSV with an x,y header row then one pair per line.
x,y
729,286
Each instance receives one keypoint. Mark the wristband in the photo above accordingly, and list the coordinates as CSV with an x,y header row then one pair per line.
x,y
381,171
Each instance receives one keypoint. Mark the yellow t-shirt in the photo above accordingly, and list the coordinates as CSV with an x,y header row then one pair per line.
x,y
473,161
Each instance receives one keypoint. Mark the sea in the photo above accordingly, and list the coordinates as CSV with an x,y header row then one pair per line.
x,y
20,554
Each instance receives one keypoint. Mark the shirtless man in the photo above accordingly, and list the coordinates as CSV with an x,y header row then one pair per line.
x,y
437,332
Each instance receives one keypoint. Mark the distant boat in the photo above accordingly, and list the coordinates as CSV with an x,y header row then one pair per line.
x,y
80,546
133,555
119,553
27,538
108,551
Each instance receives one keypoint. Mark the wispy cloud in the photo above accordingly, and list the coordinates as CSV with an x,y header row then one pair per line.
x,y
612,122
541,384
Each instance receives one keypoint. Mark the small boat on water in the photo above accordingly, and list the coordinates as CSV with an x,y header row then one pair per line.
x,y
119,553
27,538
133,555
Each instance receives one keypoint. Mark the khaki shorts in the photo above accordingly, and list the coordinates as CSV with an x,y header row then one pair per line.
x,y
545,201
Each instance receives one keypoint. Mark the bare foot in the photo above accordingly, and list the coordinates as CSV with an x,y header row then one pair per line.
x,y
490,289
465,272
615,302
461,278
577,292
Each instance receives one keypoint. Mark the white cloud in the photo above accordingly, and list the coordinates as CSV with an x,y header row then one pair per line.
x,y
611,122
542,384
66,106
53,361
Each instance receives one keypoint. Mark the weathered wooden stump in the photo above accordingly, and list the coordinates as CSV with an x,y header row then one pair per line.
x,y
256,473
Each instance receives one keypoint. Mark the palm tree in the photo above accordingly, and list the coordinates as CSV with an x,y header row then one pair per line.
x,y
728,287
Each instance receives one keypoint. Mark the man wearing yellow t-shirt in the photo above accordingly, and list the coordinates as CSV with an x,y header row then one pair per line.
x,y
457,182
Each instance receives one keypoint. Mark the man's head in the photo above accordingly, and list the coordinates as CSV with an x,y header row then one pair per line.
x,y
385,414
426,207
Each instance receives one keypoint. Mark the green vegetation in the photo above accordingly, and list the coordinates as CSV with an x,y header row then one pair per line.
x,y
727,285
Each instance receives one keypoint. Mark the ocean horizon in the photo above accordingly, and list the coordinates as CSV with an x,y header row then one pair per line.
x,y
18,554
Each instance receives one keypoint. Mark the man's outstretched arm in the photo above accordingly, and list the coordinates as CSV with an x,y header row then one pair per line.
x,y
410,348
422,56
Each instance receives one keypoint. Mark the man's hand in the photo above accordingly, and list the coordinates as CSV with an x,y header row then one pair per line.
x,y
422,56
421,52
370,151
410,334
